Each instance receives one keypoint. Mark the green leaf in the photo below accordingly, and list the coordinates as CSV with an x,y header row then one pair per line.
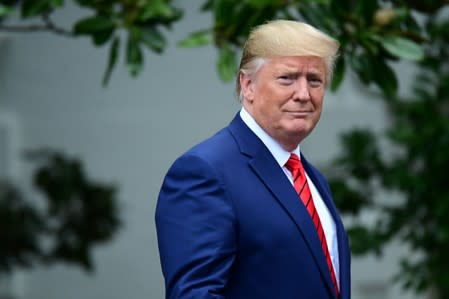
x,y
31,8
339,73
402,48
207,5
56,3
152,38
101,37
362,64
113,54
227,65
196,39
5,10
370,41
348,199
156,9
316,16
87,3
364,240
402,12
93,25
134,56
223,10
262,3
364,10
385,78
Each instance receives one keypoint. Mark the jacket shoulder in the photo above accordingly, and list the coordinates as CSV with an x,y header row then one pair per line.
x,y
220,146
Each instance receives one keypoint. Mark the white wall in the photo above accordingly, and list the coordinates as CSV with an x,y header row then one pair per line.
x,y
130,132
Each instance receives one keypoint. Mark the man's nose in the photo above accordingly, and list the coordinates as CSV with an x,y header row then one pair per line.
x,y
302,90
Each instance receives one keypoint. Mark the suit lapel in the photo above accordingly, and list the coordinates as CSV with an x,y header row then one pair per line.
x,y
266,168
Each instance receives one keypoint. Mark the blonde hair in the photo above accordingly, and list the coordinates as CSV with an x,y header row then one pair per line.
x,y
286,38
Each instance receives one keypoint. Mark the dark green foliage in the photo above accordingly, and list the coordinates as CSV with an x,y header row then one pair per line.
x,y
142,21
20,226
134,56
31,8
77,215
5,11
113,54
339,73
227,64
92,25
196,39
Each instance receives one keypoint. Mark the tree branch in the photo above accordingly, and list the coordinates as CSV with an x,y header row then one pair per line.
x,y
48,26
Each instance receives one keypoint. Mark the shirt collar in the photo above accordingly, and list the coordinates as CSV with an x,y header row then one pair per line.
x,y
279,153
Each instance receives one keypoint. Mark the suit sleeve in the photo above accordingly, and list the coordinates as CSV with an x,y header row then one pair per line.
x,y
195,224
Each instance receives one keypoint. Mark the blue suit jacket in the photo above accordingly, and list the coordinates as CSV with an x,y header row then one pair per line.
x,y
230,225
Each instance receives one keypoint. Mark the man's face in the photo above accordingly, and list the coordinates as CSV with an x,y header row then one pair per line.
x,y
285,97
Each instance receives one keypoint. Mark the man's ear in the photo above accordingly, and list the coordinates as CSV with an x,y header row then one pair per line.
x,y
247,87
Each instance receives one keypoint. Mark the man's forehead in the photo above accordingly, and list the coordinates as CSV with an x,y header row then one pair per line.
x,y
297,63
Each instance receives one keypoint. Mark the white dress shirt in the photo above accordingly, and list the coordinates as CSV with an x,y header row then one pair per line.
x,y
281,156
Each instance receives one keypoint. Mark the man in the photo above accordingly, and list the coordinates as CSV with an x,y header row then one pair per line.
x,y
243,214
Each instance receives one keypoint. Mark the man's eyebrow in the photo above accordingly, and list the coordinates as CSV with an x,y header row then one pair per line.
x,y
290,72
315,73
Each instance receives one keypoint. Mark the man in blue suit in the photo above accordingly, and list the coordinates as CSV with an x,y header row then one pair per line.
x,y
234,218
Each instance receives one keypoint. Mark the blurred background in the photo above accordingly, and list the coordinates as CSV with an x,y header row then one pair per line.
x,y
97,99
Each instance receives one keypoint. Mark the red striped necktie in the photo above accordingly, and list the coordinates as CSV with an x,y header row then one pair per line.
x,y
295,166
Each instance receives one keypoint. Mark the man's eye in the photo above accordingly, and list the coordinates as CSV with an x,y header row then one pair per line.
x,y
285,79
315,81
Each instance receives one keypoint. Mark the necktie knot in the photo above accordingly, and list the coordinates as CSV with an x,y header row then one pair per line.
x,y
293,165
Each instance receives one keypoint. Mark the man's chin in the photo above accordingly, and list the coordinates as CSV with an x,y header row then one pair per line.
x,y
301,129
